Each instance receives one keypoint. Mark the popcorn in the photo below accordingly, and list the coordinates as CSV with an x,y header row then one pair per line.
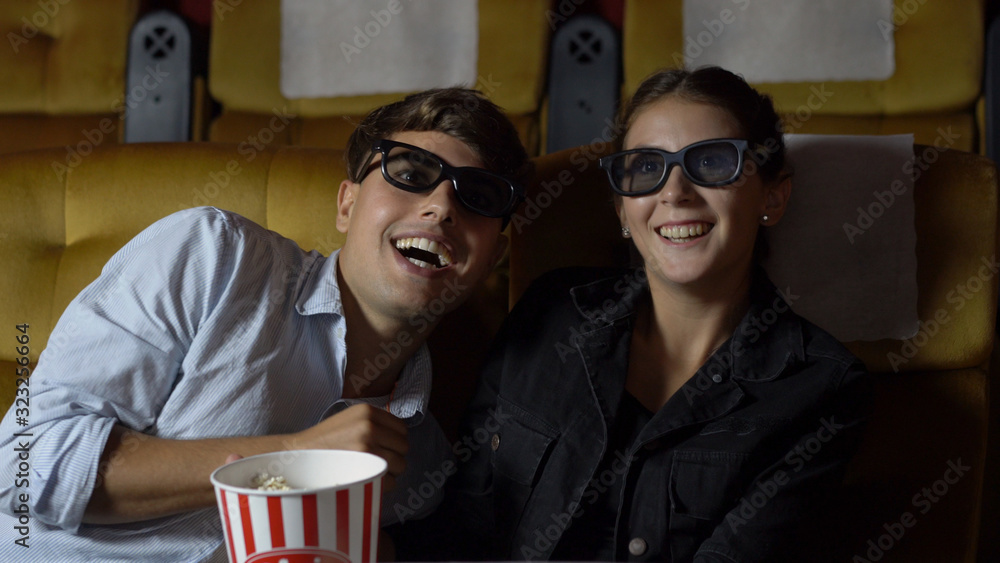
x,y
265,482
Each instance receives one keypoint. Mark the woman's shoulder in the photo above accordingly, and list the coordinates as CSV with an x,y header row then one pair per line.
x,y
820,344
785,342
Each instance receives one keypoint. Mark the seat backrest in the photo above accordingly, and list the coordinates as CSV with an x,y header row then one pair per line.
x,y
938,51
245,74
63,72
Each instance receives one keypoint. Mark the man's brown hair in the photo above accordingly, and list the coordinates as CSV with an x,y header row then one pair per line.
x,y
462,113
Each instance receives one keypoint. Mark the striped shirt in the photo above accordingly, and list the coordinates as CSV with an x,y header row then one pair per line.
x,y
204,325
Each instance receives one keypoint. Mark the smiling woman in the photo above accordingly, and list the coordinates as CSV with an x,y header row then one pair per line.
x,y
672,428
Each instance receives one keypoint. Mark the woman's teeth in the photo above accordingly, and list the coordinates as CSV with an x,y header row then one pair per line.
x,y
684,232
424,252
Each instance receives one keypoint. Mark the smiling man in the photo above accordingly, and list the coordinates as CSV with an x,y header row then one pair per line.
x,y
208,336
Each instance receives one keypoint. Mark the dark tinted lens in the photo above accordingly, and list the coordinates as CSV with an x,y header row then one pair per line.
x,y
713,163
639,171
484,193
413,168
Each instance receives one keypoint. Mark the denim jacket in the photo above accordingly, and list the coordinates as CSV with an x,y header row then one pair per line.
x,y
739,465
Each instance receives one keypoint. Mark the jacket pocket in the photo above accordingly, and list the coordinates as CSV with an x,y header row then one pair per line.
x,y
520,448
521,443
704,484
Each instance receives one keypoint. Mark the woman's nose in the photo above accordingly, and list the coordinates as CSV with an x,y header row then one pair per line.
x,y
677,189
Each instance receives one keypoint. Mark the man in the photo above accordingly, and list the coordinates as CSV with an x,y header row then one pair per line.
x,y
208,337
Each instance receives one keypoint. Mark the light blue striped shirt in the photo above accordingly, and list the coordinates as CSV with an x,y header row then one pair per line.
x,y
204,325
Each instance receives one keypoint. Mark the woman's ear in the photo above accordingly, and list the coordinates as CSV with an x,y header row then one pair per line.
x,y
776,197
620,210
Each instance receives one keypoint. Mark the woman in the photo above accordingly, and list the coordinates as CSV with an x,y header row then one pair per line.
x,y
680,411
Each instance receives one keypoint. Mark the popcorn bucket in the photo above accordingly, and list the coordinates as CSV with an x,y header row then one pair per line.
x,y
331,513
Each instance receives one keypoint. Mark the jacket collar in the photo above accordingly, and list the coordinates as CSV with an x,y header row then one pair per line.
x,y
610,298
767,339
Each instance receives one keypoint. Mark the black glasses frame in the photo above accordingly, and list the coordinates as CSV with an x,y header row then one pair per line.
x,y
672,159
454,173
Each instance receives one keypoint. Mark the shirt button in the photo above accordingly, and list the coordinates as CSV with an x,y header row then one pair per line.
x,y
637,546
495,442
717,378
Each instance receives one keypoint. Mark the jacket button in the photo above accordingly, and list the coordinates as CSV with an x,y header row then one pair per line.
x,y
495,442
717,378
637,546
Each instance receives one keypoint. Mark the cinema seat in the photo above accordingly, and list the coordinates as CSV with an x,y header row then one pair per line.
x,y
513,47
932,94
62,67
932,414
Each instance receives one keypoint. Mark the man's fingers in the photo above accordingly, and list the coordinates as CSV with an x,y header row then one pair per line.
x,y
396,463
378,429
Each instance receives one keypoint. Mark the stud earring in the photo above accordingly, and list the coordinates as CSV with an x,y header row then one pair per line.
x,y
764,218
626,232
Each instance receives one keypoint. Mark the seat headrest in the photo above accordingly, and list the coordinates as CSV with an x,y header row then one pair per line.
x,y
845,251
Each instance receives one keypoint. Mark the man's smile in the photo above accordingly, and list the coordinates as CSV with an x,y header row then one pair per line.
x,y
424,252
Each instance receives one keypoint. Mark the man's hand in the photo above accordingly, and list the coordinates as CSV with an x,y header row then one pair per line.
x,y
361,428
145,477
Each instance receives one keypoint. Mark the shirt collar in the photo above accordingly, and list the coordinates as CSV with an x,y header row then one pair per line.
x,y
410,396
320,292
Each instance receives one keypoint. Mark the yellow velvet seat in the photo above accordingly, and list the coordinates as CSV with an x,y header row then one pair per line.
x,y
245,71
936,84
57,233
63,73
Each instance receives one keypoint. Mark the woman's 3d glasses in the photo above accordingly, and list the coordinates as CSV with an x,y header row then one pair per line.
x,y
711,163
416,170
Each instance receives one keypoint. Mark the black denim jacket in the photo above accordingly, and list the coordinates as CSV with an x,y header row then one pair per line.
x,y
741,464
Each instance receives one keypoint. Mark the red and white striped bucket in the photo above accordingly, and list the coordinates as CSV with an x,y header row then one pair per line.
x,y
330,515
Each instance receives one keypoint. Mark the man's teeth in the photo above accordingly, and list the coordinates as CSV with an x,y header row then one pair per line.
x,y
443,256
684,231
421,263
